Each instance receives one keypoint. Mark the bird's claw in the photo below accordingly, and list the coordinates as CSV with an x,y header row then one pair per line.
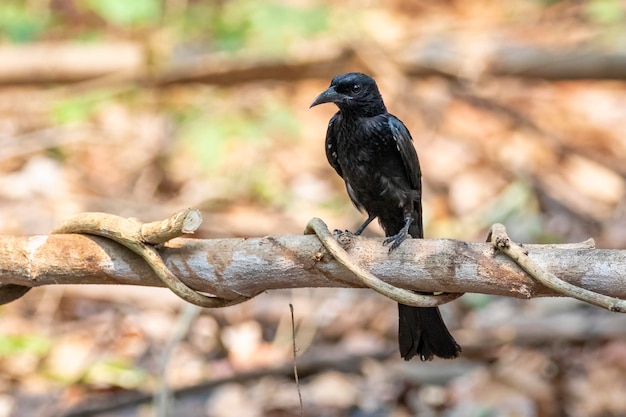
x,y
396,240
344,237
339,232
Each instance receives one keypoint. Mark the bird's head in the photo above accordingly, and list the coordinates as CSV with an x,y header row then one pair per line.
x,y
354,93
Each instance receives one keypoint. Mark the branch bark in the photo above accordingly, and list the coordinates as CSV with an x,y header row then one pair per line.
x,y
440,57
231,268
67,62
121,62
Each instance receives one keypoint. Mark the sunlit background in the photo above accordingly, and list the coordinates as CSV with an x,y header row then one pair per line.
x,y
143,107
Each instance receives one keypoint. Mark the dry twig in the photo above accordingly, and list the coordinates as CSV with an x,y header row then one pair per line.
x,y
318,227
501,241
295,355
138,237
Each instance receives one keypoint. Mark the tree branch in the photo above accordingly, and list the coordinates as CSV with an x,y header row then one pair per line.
x,y
231,268
122,62
501,241
318,227
136,236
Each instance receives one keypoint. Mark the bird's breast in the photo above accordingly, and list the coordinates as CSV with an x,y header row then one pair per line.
x,y
372,168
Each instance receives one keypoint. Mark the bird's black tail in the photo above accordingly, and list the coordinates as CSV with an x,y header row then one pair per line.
x,y
422,332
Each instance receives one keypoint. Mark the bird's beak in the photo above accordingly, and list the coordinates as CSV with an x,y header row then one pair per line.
x,y
328,96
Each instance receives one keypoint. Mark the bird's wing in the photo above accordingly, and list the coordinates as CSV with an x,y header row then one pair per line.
x,y
404,143
331,143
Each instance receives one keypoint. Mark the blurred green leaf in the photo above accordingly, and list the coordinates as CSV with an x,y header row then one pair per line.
x,y
125,12
477,301
518,209
117,372
11,345
279,118
605,11
274,26
20,24
230,26
78,109
516,198
265,27
211,136
210,133
265,185
204,140
549,2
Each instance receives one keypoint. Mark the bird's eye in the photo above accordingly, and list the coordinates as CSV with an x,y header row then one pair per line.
x,y
356,88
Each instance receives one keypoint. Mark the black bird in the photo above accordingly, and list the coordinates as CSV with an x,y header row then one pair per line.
x,y
373,152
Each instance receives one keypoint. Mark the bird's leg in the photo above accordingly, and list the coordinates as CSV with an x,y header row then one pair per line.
x,y
364,225
401,236
360,230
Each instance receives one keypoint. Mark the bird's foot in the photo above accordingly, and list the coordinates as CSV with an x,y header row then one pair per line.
x,y
344,237
397,239
339,232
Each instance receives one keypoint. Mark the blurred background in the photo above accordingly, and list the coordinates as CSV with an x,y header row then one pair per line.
x,y
140,108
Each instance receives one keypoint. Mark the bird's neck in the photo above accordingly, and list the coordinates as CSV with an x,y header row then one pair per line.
x,y
369,109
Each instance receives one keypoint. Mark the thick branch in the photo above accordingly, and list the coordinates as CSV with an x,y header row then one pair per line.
x,y
434,56
60,62
114,63
233,267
